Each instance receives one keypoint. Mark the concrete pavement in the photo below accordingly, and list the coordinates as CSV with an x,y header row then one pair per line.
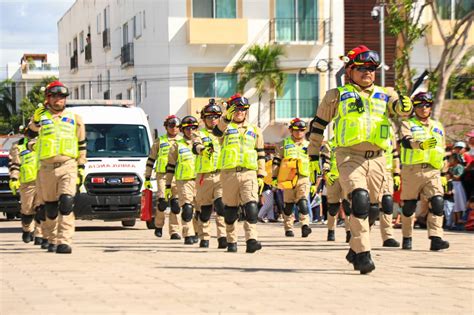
x,y
115,270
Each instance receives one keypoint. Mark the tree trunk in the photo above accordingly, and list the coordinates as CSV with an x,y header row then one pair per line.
x,y
439,97
259,111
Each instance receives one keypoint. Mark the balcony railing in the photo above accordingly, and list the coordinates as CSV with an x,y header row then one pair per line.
x,y
74,64
88,54
26,68
126,56
106,38
289,108
285,30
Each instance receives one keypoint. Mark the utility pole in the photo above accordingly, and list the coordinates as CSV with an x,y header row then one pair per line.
x,y
90,89
135,84
330,44
382,42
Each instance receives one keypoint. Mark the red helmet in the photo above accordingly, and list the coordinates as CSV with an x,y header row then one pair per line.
x,y
238,100
297,124
361,55
172,121
56,87
422,98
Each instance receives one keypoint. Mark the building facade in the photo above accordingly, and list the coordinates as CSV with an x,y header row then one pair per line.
x,y
171,56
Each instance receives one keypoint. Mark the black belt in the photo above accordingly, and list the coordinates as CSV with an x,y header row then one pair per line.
x,y
240,169
370,154
53,165
425,165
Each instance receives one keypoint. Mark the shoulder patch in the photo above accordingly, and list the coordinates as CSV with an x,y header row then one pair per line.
x,y
438,131
251,133
381,96
68,120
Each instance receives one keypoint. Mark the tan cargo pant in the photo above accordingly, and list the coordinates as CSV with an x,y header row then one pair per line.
x,y
421,182
56,180
357,171
29,202
186,193
335,195
386,228
239,188
174,223
300,191
208,189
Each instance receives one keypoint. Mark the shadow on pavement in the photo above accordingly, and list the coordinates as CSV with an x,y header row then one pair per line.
x,y
103,228
242,269
10,230
443,268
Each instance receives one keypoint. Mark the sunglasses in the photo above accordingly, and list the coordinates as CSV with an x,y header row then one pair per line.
x,y
190,128
171,126
241,108
366,68
211,117
61,95
423,105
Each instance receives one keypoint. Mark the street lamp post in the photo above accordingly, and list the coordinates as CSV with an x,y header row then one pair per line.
x,y
378,12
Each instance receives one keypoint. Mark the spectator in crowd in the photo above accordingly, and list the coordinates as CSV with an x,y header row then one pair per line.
x,y
449,203
266,212
456,170
460,148
469,226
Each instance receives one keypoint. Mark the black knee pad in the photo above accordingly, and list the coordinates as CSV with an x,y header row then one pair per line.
x,y
437,205
333,208
360,203
162,204
251,212
409,207
187,212
219,206
288,210
373,213
231,214
40,215
346,205
303,206
174,205
51,209
387,204
66,204
27,219
205,214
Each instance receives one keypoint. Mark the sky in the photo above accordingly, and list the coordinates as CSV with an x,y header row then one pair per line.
x,y
29,26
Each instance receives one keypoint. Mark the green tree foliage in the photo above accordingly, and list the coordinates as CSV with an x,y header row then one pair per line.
x,y
259,66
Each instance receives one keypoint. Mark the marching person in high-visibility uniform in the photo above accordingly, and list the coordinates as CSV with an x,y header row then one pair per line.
x,y
23,172
335,195
423,166
62,154
181,166
242,165
208,179
294,147
360,111
159,155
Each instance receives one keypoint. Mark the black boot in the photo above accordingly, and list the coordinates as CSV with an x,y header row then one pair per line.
x,y
222,242
27,237
44,244
253,245
195,239
350,257
232,247
289,233
188,240
437,243
391,243
331,236
63,249
159,232
38,240
175,236
51,248
348,236
363,262
204,244
305,231
406,244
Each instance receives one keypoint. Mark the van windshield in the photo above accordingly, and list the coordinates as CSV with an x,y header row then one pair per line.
x,y
3,161
107,140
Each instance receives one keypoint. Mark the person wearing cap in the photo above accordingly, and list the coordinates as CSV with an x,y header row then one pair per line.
x,y
23,171
334,191
242,165
460,148
361,112
62,156
181,166
294,147
159,156
423,171
208,183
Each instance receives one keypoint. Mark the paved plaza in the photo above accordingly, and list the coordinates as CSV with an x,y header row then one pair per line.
x,y
115,270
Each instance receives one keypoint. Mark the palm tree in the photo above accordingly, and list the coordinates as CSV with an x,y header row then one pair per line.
x,y
259,64
7,99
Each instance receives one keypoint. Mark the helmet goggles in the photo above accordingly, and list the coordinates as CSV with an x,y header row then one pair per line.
x,y
58,90
242,103
423,99
367,58
298,124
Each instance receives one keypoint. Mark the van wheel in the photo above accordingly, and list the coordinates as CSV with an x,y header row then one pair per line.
x,y
128,223
150,224
11,216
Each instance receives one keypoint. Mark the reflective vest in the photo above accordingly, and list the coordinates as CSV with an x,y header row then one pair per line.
x,y
369,123
28,164
238,149
204,164
185,169
420,132
332,161
58,136
162,159
291,150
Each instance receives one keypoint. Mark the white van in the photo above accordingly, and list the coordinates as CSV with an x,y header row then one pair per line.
x,y
118,143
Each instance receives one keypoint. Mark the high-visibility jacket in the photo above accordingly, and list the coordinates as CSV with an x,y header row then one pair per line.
x,y
28,163
185,168
291,150
420,132
58,136
367,123
238,149
205,164
162,158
